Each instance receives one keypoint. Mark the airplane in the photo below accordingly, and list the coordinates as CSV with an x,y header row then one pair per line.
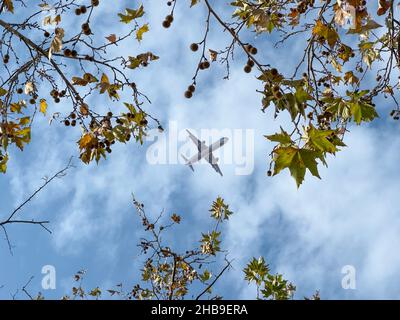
x,y
205,152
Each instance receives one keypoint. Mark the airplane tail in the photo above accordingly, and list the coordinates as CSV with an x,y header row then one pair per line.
x,y
187,162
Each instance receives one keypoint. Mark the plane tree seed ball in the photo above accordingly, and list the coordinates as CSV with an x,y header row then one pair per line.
x,y
188,94
247,69
253,50
166,24
194,47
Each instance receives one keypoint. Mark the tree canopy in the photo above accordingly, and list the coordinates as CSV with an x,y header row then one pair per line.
x,y
346,73
350,59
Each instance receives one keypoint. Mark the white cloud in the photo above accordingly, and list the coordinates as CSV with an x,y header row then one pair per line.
x,y
350,217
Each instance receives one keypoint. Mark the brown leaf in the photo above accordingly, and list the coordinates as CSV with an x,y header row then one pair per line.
x,y
112,38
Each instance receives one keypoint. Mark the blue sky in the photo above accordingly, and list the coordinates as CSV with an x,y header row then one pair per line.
x,y
350,217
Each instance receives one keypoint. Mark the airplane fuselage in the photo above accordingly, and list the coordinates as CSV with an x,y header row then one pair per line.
x,y
206,152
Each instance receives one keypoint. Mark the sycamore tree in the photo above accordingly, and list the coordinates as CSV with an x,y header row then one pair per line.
x,y
346,73
349,61
167,272
38,55
191,272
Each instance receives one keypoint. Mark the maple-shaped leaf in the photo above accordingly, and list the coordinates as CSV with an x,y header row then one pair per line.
x,y
361,108
318,139
326,32
297,161
86,140
112,38
283,137
131,14
363,111
350,78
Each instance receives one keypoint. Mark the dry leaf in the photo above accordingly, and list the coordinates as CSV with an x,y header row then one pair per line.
x,y
112,38
28,87
213,55
56,44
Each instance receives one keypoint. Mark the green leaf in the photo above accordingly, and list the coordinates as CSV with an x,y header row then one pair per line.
x,y
317,139
283,158
219,210
309,159
131,14
297,169
363,112
282,138
256,270
297,161
205,276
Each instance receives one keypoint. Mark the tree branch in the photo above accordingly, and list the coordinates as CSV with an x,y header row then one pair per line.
x,y
10,220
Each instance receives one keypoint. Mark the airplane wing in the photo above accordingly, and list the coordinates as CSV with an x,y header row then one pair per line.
x,y
213,162
200,145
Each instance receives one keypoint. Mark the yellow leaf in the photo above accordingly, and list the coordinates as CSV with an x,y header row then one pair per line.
x,y
104,83
85,141
142,30
15,107
104,79
43,106
24,121
326,32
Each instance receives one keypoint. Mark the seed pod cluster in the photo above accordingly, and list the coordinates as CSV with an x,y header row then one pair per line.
x,y
168,21
190,90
